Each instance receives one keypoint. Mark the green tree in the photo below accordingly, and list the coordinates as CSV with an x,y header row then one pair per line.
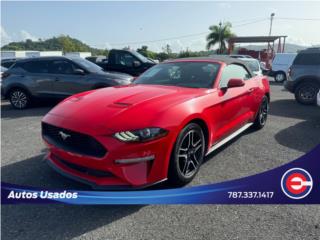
x,y
147,53
167,49
61,43
219,35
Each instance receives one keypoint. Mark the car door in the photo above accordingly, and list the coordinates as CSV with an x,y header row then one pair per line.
x,y
37,72
234,105
68,81
125,62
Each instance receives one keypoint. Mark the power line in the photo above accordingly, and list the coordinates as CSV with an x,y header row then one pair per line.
x,y
185,36
299,19
246,22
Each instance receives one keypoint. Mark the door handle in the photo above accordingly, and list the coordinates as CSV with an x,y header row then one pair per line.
x,y
251,90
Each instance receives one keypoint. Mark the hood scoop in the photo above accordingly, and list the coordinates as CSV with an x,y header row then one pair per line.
x,y
120,105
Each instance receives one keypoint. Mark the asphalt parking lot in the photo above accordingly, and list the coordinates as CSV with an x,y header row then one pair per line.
x,y
291,131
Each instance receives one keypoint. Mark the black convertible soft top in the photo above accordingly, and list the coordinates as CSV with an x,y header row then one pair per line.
x,y
217,58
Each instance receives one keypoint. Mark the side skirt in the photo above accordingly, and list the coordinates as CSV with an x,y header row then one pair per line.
x,y
230,137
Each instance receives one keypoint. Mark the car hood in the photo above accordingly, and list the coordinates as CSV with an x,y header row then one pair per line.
x,y
128,106
115,75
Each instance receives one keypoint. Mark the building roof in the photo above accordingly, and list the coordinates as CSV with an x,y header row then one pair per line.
x,y
254,39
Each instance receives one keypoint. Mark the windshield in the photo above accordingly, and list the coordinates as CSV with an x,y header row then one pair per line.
x,y
183,74
140,57
253,65
89,66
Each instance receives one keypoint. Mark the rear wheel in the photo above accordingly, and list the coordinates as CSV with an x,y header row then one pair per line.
x,y
306,92
187,155
280,77
262,116
19,98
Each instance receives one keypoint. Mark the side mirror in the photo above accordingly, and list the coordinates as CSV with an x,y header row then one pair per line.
x,y
236,82
79,71
136,63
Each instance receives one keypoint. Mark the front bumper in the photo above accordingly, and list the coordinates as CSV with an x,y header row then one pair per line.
x,y
126,165
289,85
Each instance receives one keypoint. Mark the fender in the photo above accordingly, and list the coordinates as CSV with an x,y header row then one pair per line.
x,y
15,85
302,79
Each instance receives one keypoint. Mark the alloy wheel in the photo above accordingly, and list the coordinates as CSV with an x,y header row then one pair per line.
x,y
263,112
307,93
190,153
280,77
19,99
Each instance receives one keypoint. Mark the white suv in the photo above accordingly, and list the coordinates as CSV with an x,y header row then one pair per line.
x,y
281,64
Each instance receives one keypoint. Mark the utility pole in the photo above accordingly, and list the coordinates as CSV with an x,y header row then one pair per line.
x,y
270,49
271,20
220,45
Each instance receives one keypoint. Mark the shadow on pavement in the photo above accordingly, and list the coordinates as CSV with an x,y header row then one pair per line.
x,y
304,135
274,83
40,109
51,221
292,109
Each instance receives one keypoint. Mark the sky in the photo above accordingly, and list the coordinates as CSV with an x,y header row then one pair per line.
x,y
182,25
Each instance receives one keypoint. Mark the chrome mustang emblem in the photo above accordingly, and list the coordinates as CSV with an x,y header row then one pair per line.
x,y
63,135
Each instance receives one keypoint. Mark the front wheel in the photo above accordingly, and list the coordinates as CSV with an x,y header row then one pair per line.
x,y
19,98
187,155
262,115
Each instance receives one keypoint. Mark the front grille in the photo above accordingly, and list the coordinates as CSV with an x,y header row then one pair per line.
x,y
71,141
82,169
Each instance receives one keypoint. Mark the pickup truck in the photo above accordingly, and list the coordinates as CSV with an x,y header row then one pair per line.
x,y
125,61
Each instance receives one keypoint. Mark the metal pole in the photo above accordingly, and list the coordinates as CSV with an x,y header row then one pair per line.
x,y
220,45
271,20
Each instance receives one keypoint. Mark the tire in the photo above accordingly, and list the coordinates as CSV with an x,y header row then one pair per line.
x,y
187,155
262,115
306,92
19,98
280,77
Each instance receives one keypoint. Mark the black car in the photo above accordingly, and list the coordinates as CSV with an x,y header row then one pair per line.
x,y
8,62
304,76
126,61
54,77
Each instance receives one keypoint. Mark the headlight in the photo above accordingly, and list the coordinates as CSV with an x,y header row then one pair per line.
x,y
142,135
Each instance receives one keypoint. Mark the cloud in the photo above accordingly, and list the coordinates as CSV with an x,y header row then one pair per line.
x,y
224,5
24,35
107,45
5,37
298,41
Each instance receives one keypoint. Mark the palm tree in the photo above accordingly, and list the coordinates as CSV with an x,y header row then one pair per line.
x,y
219,35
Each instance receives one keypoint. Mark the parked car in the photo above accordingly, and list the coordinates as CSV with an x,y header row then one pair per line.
x,y
254,65
3,69
54,77
240,56
160,127
280,66
304,76
126,61
99,60
7,63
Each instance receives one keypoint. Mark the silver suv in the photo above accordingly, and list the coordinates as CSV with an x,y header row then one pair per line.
x,y
304,76
54,77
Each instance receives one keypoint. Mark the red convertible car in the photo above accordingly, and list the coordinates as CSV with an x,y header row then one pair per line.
x,y
160,127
